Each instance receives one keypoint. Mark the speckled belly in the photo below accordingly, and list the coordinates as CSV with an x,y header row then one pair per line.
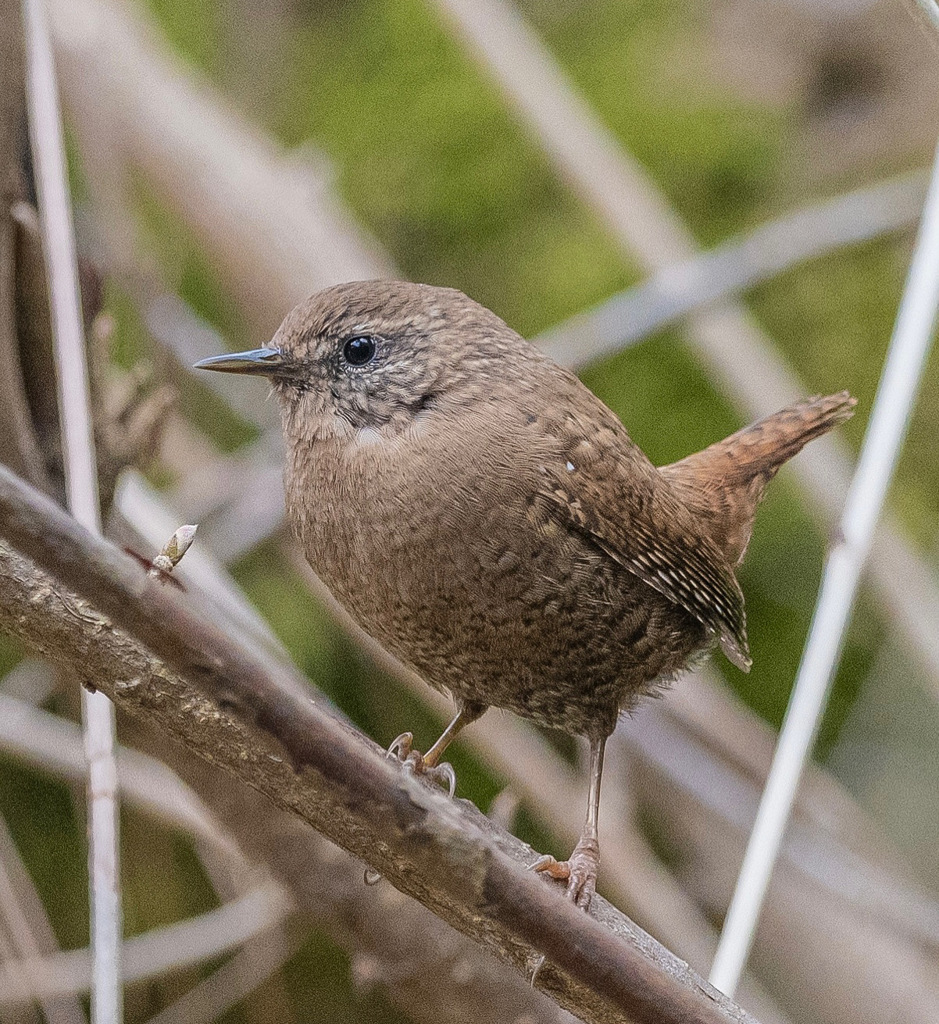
x,y
555,632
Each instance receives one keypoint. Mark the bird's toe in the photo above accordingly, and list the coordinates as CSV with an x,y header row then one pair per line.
x,y
401,746
579,871
413,761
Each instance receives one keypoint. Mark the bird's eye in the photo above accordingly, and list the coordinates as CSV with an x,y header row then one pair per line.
x,y
359,351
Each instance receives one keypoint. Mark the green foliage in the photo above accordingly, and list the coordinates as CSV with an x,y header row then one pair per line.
x,y
428,156
51,843
318,980
9,654
639,65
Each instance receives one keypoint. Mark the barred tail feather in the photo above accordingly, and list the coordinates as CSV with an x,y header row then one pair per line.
x,y
723,484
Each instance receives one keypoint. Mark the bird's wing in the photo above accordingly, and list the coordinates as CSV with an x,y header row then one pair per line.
x,y
605,487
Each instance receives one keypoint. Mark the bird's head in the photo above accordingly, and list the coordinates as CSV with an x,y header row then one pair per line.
x,y
377,354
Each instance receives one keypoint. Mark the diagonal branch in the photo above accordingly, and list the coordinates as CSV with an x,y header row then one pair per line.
x,y
254,717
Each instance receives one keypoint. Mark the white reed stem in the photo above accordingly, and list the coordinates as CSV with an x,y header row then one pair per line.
x,y
81,478
886,430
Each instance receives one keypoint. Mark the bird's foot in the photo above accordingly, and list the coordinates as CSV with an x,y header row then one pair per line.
x,y
414,761
579,871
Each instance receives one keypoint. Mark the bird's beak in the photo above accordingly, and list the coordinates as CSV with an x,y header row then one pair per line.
x,y
262,361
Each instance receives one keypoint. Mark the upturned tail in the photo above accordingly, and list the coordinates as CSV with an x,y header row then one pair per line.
x,y
723,484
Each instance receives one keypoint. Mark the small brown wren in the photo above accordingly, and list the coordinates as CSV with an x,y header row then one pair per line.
x,y
490,521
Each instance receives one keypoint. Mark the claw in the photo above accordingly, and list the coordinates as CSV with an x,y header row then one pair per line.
x,y
534,965
413,761
401,746
443,774
580,871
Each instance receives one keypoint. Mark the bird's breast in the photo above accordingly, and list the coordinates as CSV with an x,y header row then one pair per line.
x,y
417,525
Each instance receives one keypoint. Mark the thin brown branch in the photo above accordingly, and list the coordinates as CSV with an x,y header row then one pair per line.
x,y
425,967
255,718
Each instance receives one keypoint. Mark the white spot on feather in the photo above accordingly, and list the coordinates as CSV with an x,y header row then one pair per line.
x,y
367,437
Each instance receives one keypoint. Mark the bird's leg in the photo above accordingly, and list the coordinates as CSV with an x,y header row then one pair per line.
x,y
580,870
430,764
